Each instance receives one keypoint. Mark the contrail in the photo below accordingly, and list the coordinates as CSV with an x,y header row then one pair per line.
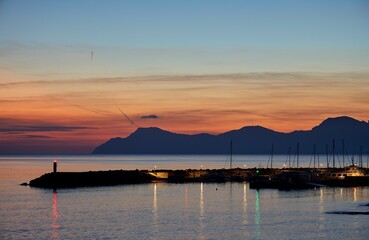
x,y
129,120
100,112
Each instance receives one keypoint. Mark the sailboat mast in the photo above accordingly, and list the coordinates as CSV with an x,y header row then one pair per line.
x,y
343,152
333,153
318,161
231,152
361,155
289,157
298,153
326,149
271,158
314,153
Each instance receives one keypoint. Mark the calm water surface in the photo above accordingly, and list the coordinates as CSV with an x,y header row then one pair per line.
x,y
170,211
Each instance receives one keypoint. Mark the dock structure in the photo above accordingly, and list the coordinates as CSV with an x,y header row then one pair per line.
x,y
159,174
281,178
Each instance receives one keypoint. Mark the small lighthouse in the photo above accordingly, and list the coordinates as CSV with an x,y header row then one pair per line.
x,y
55,164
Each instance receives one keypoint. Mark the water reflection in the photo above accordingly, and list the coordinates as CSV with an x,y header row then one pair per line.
x,y
257,214
201,201
155,207
186,196
244,207
321,209
244,204
321,197
202,210
55,216
154,202
355,194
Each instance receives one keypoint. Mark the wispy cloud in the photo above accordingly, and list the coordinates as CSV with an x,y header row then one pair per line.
x,y
152,116
41,128
20,126
29,136
263,78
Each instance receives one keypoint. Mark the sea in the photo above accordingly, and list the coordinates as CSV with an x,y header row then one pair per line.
x,y
173,211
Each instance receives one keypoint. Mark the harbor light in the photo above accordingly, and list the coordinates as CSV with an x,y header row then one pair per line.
x,y
55,163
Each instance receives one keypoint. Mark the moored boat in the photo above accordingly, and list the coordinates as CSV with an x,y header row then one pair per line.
x,y
340,174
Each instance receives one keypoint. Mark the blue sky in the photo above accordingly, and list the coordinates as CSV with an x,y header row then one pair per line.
x,y
185,37
189,24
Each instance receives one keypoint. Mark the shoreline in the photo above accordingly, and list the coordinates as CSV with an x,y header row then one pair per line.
x,y
278,178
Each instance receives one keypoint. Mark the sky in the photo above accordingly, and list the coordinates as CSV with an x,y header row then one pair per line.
x,y
74,74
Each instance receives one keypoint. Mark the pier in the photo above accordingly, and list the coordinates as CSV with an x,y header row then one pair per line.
x,y
279,178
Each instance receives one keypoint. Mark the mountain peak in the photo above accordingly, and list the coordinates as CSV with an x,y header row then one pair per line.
x,y
149,131
256,128
343,120
250,131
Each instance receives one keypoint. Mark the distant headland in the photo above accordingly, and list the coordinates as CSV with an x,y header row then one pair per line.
x,y
340,135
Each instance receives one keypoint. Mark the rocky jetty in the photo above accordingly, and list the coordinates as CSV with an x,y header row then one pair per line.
x,y
93,178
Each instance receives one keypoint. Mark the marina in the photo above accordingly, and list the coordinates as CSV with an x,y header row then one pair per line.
x,y
285,178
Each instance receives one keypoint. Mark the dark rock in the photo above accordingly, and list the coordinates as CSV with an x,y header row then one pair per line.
x,y
92,178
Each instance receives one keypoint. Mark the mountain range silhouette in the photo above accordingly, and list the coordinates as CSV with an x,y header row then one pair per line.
x,y
347,134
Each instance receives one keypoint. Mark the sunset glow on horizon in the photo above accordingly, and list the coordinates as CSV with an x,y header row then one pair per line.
x,y
184,67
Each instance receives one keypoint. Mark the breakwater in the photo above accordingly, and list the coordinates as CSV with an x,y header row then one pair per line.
x,y
117,177
92,178
283,178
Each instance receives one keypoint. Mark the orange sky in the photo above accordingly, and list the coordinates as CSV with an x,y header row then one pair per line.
x,y
79,114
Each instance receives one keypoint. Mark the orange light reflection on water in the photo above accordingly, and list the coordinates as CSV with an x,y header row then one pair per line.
x,y
55,216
